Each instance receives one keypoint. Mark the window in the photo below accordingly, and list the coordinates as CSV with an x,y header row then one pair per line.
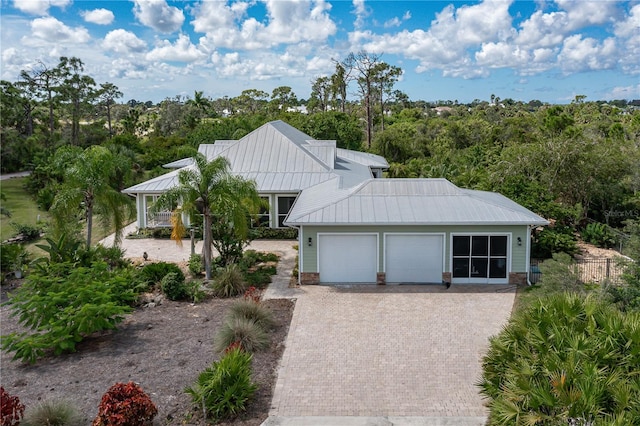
x,y
262,218
480,256
284,205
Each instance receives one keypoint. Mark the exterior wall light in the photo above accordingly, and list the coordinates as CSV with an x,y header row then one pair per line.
x,y
519,241
310,242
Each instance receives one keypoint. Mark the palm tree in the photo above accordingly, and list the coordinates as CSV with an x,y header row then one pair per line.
x,y
86,185
208,187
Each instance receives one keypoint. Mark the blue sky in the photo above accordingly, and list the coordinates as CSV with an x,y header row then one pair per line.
x,y
550,50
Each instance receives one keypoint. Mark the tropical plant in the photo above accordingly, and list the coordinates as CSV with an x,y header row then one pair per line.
x,y
599,235
28,232
13,257
567,359
52,412
87,184
247,333
224,388
554,240
209,187
196,265
229,282
153,273
63,303
11,409
125,404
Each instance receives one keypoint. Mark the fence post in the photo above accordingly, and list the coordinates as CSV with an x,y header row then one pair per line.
x,y
608,267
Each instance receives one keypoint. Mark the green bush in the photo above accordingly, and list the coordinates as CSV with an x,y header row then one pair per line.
x,y
196,265
252,311
251,336
55,412
28,232
554,240
224,389
229,282
567,359
599,235
264,233
13,257
153,273
560,273
62,304
173,286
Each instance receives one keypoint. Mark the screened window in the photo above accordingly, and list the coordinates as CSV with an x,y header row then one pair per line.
x,y
480,256
284,205
262,218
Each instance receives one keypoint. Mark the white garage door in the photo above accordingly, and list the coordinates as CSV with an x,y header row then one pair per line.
x,y
413,258
348,258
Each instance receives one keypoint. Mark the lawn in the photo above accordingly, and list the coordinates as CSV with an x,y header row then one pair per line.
x,y
22,207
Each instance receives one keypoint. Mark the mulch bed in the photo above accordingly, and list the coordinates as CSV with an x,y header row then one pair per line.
x,y
162,348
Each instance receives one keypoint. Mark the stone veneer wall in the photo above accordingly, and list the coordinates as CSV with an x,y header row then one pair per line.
x,y
310,278
519,278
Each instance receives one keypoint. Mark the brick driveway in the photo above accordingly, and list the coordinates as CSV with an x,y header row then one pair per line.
x,y
388,351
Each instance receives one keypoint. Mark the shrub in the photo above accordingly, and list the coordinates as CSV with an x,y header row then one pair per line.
x,y
249,310
153,273
13,257
554,240
63,303
250,335
173,286
229,282
252,294
264,233
28,232
224,389
195,291
560,274
125,404
11,409
52,413
567,359
599,235
196,265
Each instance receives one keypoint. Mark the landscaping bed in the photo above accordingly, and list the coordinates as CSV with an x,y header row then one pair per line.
x,y
162,348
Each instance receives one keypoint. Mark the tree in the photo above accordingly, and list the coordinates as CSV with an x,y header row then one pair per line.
x,y
208,187
282,98
86,186
45,83
340,82
107,95
385,76
320,92
77,90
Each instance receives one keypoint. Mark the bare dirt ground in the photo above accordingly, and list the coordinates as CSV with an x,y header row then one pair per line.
x,y
162,348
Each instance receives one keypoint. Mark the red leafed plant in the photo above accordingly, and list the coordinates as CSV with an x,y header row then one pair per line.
x,y
253,294
125,404
232,347
12,410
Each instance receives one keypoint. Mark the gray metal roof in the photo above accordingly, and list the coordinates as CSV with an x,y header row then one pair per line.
x,y
406,202
281,158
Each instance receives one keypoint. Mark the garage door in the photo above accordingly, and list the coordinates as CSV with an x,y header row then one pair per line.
x,y
348,258
413,258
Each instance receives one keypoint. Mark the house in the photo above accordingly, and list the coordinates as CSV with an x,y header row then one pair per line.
x,y
355,226
281,160
410,231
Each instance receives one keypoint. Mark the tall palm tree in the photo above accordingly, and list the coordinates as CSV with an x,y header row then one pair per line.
x,y
86,185
208,187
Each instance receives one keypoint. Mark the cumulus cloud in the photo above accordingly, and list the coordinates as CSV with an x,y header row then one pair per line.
x,y
123,42
39,7
157,14
361,12
51,31
286,23
180,51
627,30
585,54
623,92
98,16
125,68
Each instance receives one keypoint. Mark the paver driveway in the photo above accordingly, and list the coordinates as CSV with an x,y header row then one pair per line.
x,y
388,351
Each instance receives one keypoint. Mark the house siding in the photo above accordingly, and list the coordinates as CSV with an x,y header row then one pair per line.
x,y
518,254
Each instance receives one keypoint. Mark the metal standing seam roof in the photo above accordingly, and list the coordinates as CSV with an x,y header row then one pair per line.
x,y
406,202
278,157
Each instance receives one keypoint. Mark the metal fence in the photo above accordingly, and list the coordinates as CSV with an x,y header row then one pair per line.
x,y
590,270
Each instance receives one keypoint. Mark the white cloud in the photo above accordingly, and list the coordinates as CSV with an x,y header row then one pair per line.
x,y
623,92
157,14
51,31
124,68
124,42
98,16
39,7
181,51
361,12
586,54
286,23
628,32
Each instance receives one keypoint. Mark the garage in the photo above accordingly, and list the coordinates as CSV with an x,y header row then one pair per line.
x,y
348,258
414,258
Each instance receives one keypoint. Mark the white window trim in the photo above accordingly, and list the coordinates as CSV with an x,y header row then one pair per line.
x,y
487,280
277,208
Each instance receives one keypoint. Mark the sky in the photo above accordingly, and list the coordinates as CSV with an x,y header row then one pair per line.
x,y
547,50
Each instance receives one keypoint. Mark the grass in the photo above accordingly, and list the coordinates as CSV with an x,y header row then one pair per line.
x,y
22,207
24,210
